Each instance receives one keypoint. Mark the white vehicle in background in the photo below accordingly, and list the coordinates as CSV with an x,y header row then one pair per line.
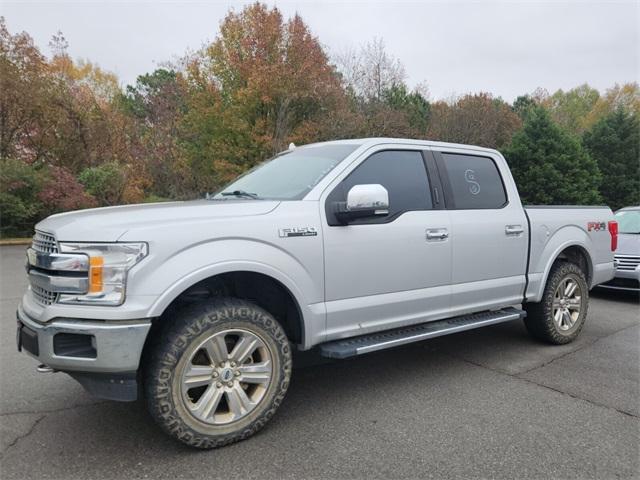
x,y
350,247
628,252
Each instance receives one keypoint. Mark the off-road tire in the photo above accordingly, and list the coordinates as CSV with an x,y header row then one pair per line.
x,y
539,320
189,325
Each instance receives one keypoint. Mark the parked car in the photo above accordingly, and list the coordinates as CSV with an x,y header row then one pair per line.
x,y
349,246
627,255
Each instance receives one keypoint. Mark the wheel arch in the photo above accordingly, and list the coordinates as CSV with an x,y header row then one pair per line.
x,y
572,251
235,279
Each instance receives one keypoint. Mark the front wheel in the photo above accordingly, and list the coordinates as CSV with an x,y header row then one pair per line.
x,y
219,373
559,317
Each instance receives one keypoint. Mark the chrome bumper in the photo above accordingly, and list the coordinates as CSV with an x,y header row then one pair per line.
x,y
625,280
90,346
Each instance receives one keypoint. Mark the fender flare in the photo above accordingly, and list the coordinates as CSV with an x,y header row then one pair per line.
x,y
208,271
554,256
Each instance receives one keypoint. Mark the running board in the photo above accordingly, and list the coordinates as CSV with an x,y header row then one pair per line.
x,y
350,347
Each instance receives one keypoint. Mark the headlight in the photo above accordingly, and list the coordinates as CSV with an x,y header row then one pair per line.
x,y
108,266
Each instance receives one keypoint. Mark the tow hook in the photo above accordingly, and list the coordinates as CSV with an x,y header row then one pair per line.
x,y
42,368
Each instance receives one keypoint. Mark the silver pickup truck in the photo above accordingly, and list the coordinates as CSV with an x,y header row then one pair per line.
x,y
349,246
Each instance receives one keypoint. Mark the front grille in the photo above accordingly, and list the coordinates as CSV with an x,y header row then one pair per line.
x,y
44,242
627,262
43,296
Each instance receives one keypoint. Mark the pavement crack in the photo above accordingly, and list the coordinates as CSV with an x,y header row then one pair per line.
x,y
586,345
54,410
577,397
21,437
532,382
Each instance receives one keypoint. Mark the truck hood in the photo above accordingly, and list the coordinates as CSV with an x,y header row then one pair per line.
x,y
110,223
628,244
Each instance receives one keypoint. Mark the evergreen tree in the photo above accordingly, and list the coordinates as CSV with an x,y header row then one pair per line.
x,y
550,166
614,142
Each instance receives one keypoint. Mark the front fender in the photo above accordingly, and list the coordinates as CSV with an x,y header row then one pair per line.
x,y
169,277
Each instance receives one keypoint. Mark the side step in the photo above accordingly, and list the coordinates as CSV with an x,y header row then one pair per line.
x,y
350,347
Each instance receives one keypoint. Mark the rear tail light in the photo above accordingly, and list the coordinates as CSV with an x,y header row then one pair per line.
x,y
613,230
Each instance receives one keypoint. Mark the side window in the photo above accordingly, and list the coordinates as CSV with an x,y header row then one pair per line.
x,y
474,182
402,173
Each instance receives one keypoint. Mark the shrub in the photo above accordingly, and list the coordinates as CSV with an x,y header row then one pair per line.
x,y
105,183
61,191
19,205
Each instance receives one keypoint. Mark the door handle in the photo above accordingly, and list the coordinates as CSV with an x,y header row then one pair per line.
x,y
437,234
513,229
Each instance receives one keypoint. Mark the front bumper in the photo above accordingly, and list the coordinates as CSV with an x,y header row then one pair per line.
x,y
103,356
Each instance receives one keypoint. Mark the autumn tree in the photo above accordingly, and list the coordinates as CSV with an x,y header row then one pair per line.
x,y
370,71
380,102
275,73
78,133
157,103
477,119
550,166
23,94
626,96
571,109
614,142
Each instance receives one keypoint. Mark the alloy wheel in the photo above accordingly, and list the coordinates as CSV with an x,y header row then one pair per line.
x,y
226,376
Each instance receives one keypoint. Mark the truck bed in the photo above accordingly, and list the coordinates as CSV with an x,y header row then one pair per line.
x,y
553,228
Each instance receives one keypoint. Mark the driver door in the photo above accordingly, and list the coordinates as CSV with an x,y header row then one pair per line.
x,y
393,270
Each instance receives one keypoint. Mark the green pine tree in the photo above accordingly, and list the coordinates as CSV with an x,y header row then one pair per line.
x,y
614,142
550,166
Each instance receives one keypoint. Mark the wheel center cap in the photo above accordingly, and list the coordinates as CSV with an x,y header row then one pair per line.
x,y
226,375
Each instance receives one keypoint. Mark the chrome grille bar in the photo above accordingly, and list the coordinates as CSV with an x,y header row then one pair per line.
x,y
44,242
627,262
43,296
52,273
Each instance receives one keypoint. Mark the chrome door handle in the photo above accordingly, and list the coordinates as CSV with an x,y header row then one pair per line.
x,y
513,229
437,234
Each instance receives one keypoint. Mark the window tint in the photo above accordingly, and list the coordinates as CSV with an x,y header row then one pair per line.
x,y
474,182
402,173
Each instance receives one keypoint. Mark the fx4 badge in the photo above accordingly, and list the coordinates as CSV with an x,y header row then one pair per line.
x,y
298,232
597,226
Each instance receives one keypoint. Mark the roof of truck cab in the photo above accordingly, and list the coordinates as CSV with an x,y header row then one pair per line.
x,y
404,141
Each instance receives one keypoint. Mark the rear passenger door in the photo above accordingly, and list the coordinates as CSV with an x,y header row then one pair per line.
x,y
489,233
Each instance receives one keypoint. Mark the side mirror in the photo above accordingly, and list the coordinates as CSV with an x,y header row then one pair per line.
x,y
364,201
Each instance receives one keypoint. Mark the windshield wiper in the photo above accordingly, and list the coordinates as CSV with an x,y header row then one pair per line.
x,y
241,194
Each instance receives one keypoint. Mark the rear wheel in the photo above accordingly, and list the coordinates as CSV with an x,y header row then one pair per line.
x,y
219,373
559,317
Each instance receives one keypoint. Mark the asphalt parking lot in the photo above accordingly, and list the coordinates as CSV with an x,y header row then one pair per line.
x,y
485,403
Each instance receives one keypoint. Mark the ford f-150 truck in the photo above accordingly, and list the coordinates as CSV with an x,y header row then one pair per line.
x,y
349,246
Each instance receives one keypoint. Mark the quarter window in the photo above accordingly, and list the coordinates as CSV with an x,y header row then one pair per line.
x,y
474,182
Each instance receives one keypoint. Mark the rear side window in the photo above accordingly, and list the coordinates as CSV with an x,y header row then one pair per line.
x,y
402,173
473,182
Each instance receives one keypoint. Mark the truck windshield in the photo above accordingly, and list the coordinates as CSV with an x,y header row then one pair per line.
x,y
288,176
628,221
